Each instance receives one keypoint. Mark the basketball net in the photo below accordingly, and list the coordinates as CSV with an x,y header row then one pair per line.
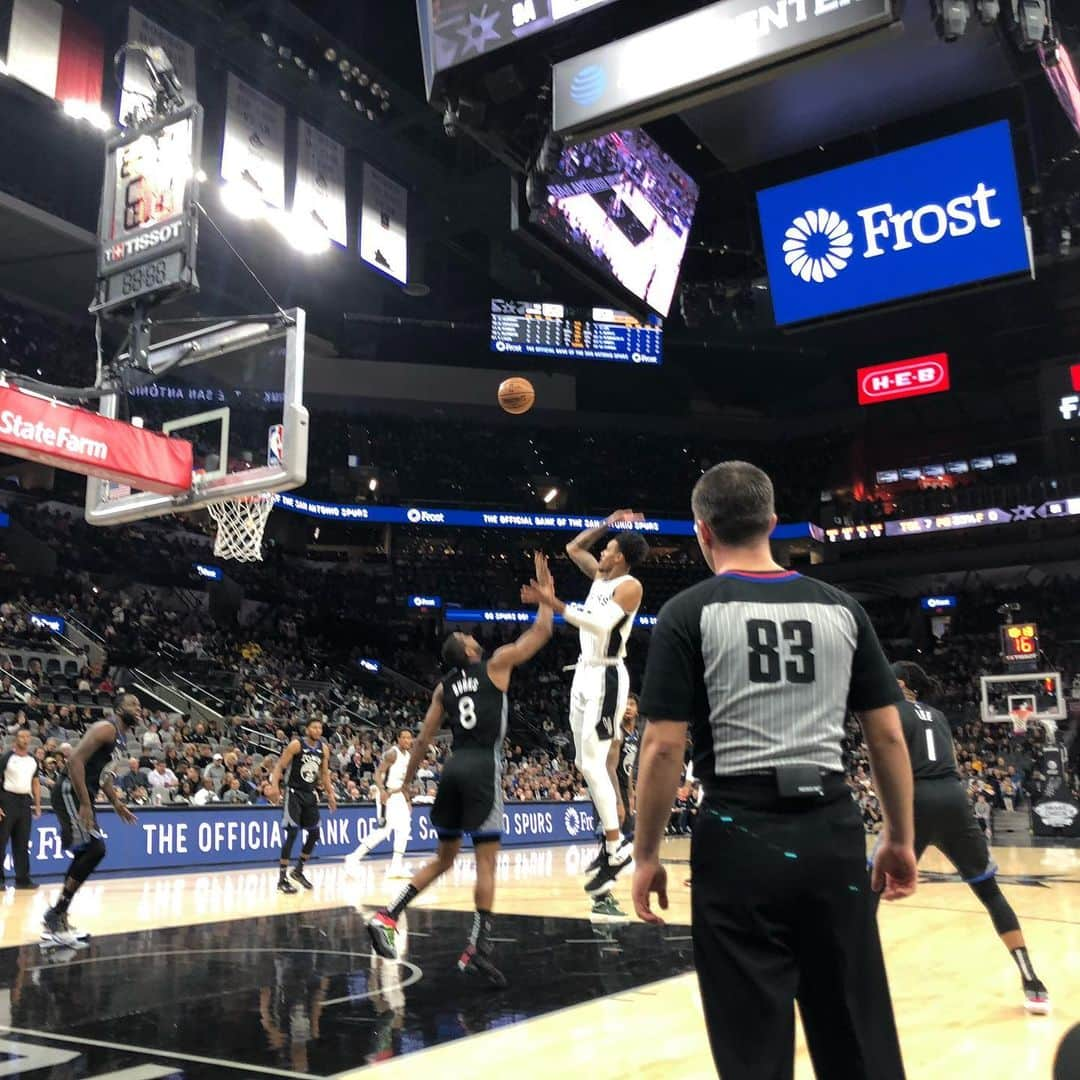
x,y
241,523
1020,719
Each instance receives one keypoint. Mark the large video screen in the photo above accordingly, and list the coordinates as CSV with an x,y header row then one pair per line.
x,y
453,32
624,207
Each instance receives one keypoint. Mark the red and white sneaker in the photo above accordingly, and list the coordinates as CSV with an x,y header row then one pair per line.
x,y
382,929
1036,997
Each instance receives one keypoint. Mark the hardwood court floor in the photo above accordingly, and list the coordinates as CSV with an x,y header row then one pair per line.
x,y
584,1002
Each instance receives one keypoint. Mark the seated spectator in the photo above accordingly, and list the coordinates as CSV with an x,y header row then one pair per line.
x,y
232,792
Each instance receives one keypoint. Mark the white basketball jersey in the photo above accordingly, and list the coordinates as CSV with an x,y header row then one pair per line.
x,y
395,775
609,645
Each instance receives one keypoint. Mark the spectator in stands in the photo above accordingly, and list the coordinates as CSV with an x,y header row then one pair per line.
x,y
232,792
162,782
151,741
133,778
215,772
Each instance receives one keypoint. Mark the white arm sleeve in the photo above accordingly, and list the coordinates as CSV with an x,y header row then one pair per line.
x,y
596,622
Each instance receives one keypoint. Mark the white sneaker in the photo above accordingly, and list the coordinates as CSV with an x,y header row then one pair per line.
x,y
352,864
398,871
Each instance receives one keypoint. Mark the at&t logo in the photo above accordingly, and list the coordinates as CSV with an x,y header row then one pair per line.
x,y
588,85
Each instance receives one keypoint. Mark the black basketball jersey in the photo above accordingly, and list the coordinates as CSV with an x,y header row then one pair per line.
x,y
475,708
96,762
929,740
304,770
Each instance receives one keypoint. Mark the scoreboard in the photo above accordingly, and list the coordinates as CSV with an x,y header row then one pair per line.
x,y
537,329
1019,643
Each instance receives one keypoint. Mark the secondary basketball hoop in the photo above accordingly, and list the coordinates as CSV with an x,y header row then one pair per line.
x,y
241,523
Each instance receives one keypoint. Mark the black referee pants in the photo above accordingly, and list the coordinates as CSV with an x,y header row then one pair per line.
x,y
782,912
16,828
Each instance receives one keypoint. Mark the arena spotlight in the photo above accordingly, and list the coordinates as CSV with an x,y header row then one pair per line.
x,y
303,235
242,200
950,18
1031,22
84,110
267,40
373,484
551,496
330,55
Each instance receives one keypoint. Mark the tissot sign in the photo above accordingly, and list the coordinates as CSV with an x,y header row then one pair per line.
x,y
904,379
933,217
654,72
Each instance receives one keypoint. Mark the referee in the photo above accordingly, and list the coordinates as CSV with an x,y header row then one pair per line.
x,y
764,665
18,782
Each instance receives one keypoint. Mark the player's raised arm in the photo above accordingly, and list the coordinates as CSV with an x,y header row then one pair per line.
x,y
578,548
433,721
519,652
627,597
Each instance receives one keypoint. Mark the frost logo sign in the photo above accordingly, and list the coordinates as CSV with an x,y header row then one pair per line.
x,y
933,217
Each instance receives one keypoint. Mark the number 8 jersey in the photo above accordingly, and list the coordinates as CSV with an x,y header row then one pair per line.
x,y
475,708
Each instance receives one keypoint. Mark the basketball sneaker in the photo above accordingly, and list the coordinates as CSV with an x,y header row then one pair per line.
x,y
595,864
352,864
478,966
57,932
398,871
1036,997
382,929
297,874
605,909
611,866
286,886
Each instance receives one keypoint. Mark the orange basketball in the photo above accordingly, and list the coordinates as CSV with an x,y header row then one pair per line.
x,y
516,395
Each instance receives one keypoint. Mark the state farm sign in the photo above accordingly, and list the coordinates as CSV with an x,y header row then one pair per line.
x,y
81,441
904,379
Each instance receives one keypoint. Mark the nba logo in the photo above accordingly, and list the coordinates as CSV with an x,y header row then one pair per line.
x,y
275,445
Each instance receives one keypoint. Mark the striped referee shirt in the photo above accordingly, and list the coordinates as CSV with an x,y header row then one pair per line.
x,y
764,667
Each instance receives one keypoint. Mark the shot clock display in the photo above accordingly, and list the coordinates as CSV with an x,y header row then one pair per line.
x,y
1019,643
147,226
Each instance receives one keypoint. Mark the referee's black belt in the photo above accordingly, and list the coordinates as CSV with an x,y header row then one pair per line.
x,y
762,788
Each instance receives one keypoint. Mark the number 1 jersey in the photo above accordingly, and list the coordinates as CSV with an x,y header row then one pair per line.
x,y
929,739
476,708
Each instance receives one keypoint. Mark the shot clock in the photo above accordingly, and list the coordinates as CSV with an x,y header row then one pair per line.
x,y
147,229
1019,643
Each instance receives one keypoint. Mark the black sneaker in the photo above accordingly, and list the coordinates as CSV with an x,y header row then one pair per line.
x,y
56,931
595,864
382,929
297,874
478,966
610,868
27,884
286,886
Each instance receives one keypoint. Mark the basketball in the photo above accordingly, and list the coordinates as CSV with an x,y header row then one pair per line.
x,y
516,396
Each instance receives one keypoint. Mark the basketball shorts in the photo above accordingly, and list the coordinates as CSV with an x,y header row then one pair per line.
x,y
74,835
470,797
598,697
301,810
944,819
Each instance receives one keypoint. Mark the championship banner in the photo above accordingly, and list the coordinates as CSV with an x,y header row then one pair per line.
x,y
137,88
1055,812
384,234
253,151
170,838
320,182
52,48
79,441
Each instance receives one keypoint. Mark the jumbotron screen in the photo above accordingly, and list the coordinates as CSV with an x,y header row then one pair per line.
x,y
456,31
623,207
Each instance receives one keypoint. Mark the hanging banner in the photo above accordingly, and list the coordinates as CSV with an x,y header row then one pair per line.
x,y
320,182
137,88
253,152
384,234
1054,811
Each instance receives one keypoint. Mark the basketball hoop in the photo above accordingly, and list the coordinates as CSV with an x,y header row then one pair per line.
x,y
240,525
